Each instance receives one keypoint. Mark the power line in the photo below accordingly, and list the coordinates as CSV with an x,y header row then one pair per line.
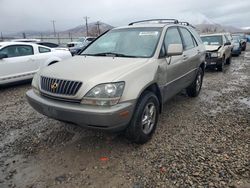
x,y
86,22
54,27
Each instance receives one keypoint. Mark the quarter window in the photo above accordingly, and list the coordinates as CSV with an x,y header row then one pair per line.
x,y
17,50
188,39
43,50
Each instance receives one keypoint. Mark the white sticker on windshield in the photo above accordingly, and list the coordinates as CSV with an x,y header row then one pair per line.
x,y
214,43
151,33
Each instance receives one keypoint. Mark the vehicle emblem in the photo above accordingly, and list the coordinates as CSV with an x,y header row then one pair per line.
x,y
54,86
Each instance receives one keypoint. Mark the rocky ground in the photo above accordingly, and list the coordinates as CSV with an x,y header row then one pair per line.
x,y
199,142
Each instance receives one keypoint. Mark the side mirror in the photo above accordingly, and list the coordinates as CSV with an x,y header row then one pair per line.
x,y
2,56
227,43
175,49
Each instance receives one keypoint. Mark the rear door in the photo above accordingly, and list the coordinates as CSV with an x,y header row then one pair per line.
x,y
19,63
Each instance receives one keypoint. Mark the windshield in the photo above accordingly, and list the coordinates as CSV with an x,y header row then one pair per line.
x,y
212,40
236,37
130,42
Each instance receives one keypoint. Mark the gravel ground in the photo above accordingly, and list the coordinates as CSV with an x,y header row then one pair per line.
x,y
199,142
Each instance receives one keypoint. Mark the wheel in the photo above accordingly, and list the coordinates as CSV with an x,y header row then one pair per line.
x,y
144,120
194,89
221,66
228,61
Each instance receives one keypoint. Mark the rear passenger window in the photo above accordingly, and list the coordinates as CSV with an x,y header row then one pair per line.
x,y
172,37
188,39
43,50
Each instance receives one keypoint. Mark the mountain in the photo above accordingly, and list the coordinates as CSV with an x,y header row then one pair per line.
x,y
204,24
92,29
78,31
213,28
195,18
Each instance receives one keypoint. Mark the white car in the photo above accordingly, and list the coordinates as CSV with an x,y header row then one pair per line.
x,y
21,60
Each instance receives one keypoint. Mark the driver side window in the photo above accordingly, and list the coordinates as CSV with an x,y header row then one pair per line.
x,y
172,36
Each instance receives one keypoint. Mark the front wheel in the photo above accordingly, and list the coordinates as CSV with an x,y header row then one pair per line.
x,y
194,89
144,120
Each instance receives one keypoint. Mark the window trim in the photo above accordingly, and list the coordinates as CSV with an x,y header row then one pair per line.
x,y
19,45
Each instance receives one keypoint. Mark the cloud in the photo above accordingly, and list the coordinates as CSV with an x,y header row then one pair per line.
x,y
18,15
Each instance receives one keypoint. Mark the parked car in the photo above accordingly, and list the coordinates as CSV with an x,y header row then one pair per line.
x,y
116,84
21,60
79,45
236,46
48,44
218,50
243,40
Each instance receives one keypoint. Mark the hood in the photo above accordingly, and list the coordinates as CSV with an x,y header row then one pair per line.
x,y
211,48
92,69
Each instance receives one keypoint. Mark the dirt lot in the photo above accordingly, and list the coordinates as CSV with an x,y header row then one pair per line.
x,y
199,142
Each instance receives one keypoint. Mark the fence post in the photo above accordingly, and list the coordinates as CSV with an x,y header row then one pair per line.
x,y
1,36
41,37
58,38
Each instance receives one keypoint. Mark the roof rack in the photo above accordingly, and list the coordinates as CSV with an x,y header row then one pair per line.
x,y
156,20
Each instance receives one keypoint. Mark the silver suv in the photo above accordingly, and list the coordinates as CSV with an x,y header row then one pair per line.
x,y
121,80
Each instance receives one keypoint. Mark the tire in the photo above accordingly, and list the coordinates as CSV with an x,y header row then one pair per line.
x,y
194,89
137,131
221,66
228,61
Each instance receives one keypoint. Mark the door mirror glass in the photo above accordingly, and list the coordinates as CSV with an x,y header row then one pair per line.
x,y
2,56
175,49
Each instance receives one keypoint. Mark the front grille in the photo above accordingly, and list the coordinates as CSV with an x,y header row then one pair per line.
x,y
208,55
59,86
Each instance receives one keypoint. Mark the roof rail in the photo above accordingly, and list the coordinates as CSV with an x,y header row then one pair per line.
x,y
184,23
187,24
157,20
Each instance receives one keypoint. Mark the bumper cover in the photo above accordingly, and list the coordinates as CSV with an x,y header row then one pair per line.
x,y
106,118
213,62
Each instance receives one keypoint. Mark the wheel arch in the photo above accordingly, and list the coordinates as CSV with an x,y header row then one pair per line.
x,y
153,87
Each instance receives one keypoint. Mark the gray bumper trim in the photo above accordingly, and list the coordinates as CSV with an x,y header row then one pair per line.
x,y
107,118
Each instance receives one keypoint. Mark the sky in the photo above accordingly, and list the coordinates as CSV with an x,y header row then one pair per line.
x,y
23,15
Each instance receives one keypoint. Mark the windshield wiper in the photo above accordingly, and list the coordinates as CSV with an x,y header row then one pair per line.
x,y
112,54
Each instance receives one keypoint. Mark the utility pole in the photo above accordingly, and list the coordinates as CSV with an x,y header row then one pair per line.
x,y
98,27
54,27
86,22
1,36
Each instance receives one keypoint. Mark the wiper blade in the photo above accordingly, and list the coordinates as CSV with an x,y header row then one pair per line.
x,y
109,54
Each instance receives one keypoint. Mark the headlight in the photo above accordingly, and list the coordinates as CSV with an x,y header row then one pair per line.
x,y
214,54
104,94
35,83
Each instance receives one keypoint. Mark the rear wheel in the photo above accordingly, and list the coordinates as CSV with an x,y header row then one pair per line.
x,y
194,89
144,120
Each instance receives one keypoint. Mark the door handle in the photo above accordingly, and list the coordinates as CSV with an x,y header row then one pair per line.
x,y
185,57
198,51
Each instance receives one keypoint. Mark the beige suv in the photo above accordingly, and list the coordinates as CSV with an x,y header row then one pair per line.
x,y
219,50
121,80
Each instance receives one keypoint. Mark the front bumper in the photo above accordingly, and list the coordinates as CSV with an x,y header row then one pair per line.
x,y
113,118
213,62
